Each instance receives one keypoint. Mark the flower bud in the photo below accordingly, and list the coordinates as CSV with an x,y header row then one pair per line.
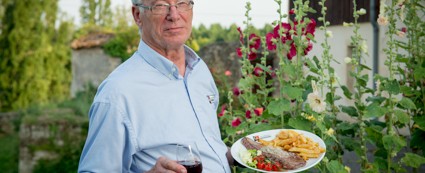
x,y
347,60
362,11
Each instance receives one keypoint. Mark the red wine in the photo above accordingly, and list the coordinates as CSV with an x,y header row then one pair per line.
x,y
192,167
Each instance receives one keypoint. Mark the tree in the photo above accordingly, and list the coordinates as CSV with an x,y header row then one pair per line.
x,y
35,56
96,12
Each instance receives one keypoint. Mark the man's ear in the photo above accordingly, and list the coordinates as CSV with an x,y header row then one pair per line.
x,y
136,15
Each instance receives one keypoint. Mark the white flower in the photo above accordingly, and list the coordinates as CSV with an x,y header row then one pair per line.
x,y
362,11
316,102
364,46
347,60
329,34
382,20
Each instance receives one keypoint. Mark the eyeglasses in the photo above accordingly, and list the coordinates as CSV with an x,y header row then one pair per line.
x,y
181,6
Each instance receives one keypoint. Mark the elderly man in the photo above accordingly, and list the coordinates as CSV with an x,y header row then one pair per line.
x,y
162,96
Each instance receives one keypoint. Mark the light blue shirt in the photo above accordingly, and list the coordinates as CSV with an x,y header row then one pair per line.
x,y
144,107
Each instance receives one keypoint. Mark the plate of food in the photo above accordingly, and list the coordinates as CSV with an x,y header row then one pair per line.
x,y
279,150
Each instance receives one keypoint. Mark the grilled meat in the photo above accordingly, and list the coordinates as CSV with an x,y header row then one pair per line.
x,y
289,160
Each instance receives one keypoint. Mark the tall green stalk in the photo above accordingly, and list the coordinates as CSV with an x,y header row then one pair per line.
x,y
357,56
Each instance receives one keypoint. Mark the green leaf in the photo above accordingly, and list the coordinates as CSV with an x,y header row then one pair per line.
x,y
335,167
407,103
402,116
413,160
419,72
289,70
420,122
375,110
366,67
300,123
393,143
374,133
402,59
277,107
376,99
347,92
350,110
393,87
293,92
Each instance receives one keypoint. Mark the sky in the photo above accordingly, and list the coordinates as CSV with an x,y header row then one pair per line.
x,y
207,12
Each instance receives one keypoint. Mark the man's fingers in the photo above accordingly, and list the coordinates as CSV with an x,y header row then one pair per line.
x,y
171,165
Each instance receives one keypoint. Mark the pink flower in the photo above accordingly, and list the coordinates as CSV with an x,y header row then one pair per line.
x,y
223,110
236,91
248,114
258,71
269,42
240,35
228,73
404,29
292,52
258,111
255,41
311,27
252,56
285,32
309,48
239,52
272,73
291,12
236,122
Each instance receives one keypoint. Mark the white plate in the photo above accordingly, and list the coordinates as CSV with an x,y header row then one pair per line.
x,y
237,147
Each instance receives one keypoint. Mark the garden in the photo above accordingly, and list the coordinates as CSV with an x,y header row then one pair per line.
x,y
375,123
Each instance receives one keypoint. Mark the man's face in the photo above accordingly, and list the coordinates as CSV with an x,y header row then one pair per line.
x,y
164,31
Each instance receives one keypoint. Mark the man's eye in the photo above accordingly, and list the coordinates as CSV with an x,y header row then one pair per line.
x,y
160,6
182,3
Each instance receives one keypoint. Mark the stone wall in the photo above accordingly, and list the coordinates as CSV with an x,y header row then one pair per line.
x,y
90,66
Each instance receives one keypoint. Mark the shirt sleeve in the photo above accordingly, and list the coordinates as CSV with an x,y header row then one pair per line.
x,y
108,146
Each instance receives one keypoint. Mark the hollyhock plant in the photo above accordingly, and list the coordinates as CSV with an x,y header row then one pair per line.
x,y
223,110
286,87
258,71
236,122
248,114
258,111
239,52
236,91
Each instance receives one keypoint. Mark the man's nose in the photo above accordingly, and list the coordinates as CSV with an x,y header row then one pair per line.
x,y
173,13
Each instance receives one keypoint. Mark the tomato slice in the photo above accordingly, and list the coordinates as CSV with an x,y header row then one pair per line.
x,y
261,165
268,167
277,166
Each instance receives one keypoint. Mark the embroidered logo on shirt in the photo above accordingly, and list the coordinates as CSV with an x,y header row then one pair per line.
x,y
211,98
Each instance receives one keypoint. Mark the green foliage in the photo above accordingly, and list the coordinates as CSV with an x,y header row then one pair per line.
x,y
81,103
35,56
124,44
9,157
96,12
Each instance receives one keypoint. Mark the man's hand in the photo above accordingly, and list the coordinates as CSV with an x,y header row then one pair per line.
x,y
164,165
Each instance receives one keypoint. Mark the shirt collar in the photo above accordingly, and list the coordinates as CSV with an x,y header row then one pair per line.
x,y
164,65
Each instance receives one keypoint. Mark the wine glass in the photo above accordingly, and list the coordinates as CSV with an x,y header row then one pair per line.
x,y
187,154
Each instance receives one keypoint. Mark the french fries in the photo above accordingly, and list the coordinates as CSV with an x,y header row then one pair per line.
x,y
292,141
